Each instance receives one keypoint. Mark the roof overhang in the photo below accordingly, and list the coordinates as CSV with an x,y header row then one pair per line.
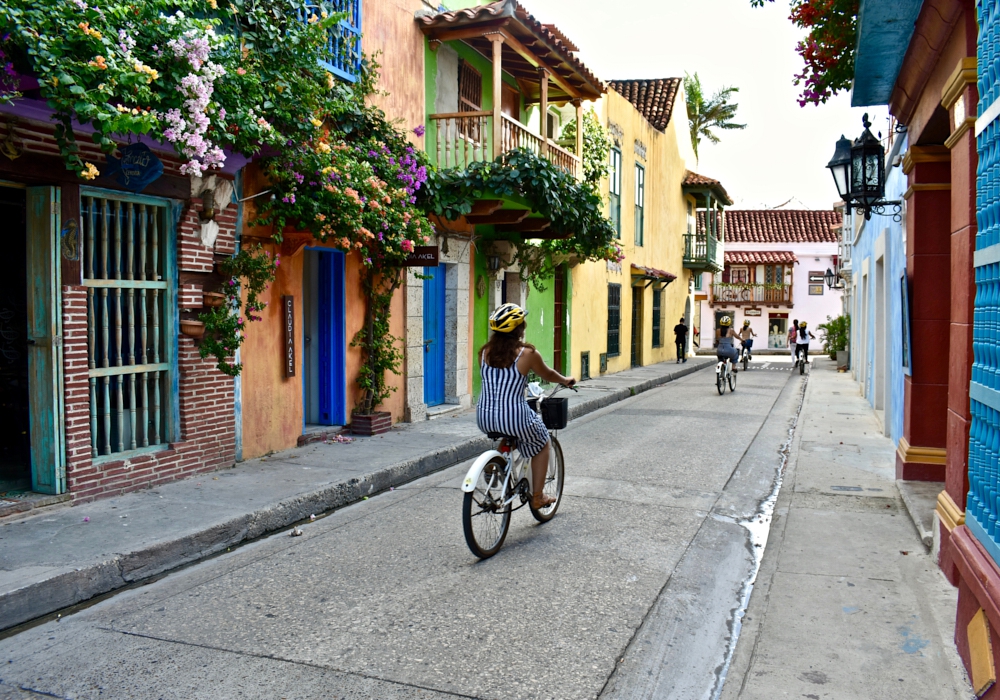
x,y
651,275
885,28
528,46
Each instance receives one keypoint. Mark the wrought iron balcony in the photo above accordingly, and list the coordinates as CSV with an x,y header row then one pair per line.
x,y
751,294
703,251
342,52
463,138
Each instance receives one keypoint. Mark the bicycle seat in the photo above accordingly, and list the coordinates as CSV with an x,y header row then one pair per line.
x,y
492,435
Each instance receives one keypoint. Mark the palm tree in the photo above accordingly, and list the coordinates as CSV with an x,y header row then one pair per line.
x,y
706,116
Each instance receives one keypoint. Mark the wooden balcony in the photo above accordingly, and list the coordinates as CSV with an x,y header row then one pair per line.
x,y
703,251
463,138
751,294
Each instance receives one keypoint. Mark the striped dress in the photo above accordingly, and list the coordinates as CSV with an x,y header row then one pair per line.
x,y
503,409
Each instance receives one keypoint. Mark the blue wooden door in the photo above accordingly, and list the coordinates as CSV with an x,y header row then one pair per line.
x,y
48,469
434,335
332,380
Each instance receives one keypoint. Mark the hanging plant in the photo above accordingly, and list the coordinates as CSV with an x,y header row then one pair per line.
x,y
596,148
248,273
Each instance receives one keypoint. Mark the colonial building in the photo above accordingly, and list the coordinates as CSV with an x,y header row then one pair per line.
x,y
775,262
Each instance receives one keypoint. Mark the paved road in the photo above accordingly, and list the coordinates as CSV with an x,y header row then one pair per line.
x,y
629,592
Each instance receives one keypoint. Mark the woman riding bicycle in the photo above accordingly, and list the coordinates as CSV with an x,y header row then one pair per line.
x,y
726,347
746,335
802,341
505,361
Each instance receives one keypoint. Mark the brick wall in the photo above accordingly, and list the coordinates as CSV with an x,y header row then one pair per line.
x,y
205,439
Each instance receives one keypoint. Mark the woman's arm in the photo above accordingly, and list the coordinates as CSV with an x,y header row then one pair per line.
x,y
535,363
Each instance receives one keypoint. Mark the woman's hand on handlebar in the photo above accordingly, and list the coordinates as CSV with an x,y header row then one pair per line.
x,y
570,383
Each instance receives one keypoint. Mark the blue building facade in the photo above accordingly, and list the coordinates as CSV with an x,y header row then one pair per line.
x,y
878,273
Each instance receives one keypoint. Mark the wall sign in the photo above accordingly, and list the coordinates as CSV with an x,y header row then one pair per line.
x,y
137,167
751,312
422,256
288,309
816,290
817,277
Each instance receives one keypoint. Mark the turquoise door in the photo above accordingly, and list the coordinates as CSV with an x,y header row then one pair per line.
x,y
434,335
45,398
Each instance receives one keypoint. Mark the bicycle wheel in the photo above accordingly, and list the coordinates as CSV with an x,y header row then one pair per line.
x,y
746,360
802,366
720,381
484,520
553,483
732,381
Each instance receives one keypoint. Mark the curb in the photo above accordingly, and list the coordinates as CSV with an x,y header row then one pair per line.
x,y
69,588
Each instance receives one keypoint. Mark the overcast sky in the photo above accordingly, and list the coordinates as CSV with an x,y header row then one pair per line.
x,y
783,152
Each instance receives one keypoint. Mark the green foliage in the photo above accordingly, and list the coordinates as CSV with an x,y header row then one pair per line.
x,y
201,74
827,51
835,334
596,147
379,346
705,116
251,270
573,207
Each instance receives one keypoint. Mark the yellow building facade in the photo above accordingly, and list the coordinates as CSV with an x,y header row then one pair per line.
x,y
623,314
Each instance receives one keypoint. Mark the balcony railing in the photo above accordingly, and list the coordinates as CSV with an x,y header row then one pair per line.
x,y
751,294
702,251
463,138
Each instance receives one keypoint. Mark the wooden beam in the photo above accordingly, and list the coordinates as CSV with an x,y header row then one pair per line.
x,y
579,136
531,58
543,102
466,32
503,216
485,206
533,225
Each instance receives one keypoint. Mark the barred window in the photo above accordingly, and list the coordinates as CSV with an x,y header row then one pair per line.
x,y
614,319
342,53
657,318
470,88
130,351
615,196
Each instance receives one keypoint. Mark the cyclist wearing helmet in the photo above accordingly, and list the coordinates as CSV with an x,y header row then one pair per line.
x,y
726,347
505,361
746,335
802,340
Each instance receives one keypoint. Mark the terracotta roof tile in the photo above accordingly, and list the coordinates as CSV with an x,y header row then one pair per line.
x,y
653,98
549,33
693,179
779,225
653,272
760,257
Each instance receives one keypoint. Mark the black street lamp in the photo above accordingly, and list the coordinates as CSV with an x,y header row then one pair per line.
x,y
858,171
830,277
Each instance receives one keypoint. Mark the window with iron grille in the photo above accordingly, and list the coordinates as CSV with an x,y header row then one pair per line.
x,y
614,319
342,52
585,365
126,249
615,196
657,318
470,88
640,201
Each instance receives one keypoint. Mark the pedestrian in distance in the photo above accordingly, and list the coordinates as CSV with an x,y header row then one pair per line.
x,y
680,339
505,361
746,336
792,332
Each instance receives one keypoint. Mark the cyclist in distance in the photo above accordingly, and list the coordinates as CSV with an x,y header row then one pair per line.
x,y
802,341
505,361
746,335
727,347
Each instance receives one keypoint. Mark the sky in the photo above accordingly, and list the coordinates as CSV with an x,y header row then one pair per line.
x,y
783,152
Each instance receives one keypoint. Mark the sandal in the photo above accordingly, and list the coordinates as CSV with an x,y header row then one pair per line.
x,y
540,500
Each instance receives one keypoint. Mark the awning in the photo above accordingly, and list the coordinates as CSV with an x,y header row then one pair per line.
x,y
652,274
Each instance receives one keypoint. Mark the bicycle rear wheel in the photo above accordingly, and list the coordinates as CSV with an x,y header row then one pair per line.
x,y
720,380
802,366
553,483
732,380
746,360
485,520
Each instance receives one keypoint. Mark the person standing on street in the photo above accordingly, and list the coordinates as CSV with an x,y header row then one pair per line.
x,y
680,339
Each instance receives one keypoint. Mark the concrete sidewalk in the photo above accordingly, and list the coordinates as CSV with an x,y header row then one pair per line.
x,y
59,556
847,602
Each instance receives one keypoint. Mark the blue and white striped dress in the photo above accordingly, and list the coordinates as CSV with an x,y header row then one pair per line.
x,y
503,409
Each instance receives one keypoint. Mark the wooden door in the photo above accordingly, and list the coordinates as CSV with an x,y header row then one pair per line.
x,y
48,469
637,293
434,310
559,315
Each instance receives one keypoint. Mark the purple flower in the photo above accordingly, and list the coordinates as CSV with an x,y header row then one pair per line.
x,y
372,154
419,130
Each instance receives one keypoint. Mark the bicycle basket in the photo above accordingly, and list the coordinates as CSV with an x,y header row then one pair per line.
x,y
555,412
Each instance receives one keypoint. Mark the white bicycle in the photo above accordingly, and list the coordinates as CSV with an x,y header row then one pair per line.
x,y
800,360
499,483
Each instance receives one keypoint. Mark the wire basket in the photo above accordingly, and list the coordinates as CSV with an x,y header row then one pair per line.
x,y
555,411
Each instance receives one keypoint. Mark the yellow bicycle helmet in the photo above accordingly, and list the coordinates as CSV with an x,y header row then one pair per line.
x,y
746,323
726,321
802,324
506,318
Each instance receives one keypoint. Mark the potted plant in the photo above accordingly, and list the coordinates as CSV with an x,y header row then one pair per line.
x,y
192,328
213,300
835,334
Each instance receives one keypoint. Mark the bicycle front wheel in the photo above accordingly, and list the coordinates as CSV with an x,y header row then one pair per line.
x,y
746,361
553,483
485,520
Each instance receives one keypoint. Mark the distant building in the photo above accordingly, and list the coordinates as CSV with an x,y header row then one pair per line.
x,y
773,273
